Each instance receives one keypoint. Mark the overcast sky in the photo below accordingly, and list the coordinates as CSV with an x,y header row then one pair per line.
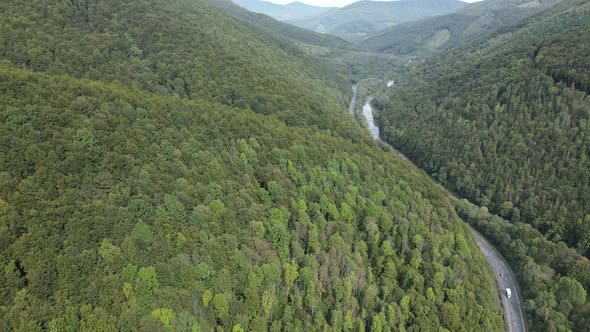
x,y
328,3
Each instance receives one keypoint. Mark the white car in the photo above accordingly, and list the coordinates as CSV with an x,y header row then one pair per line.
x,y
508,293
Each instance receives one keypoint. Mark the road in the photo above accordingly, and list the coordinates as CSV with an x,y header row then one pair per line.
x,y
513,311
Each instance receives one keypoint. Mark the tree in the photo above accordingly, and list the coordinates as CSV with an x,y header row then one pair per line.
x,y
569,293
109,252
451,316
147,280
290,273
221,304
207,297
142,233
278,233
267,303
165,315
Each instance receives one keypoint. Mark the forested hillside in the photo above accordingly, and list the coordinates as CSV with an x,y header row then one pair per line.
x,y
443,32
126,210
164,166
553,278
347,58
504,122
188,49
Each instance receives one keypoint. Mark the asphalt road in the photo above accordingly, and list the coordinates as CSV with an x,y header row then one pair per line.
x,y
513,310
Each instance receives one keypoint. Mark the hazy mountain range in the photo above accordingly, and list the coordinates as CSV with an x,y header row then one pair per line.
x,y
356,20
435,33
292,11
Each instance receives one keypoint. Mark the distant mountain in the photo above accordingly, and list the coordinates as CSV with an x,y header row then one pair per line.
x,y
363,18
442,32
291,11
297,34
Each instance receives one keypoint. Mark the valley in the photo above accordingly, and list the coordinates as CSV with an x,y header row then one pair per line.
x,y
513,306
190,165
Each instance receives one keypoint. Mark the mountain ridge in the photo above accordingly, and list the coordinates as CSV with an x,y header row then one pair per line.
x,y
291,11
286,30
470,22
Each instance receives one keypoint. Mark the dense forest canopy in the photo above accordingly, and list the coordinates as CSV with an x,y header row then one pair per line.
x,y
164,166
127,210
191,166
504,123
186,48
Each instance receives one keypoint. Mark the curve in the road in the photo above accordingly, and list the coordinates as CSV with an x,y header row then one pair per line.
x,y
513,311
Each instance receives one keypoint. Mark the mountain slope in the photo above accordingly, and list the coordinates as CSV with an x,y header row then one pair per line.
x,y
126,210
503,122
193,51
132,201
366,17
291,11
430,34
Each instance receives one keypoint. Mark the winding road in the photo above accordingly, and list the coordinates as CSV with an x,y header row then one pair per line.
x,y
513,311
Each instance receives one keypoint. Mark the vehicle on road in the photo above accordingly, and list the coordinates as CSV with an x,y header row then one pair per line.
x,y
508,293
501,275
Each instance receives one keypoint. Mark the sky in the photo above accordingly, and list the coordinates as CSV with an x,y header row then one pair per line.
x,y
329,3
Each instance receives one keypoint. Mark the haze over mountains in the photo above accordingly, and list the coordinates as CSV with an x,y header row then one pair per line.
x,y
295,34
363,17
431,34
290,12
190,165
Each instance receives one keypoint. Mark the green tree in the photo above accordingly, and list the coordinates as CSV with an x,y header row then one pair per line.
x,y
165,315
147,280
221,304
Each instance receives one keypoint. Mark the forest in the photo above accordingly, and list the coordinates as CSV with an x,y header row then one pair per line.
x,y
503,121
192,51
166,166
188,165
119,215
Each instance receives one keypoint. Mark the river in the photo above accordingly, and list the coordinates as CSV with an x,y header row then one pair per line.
x,y
368,114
